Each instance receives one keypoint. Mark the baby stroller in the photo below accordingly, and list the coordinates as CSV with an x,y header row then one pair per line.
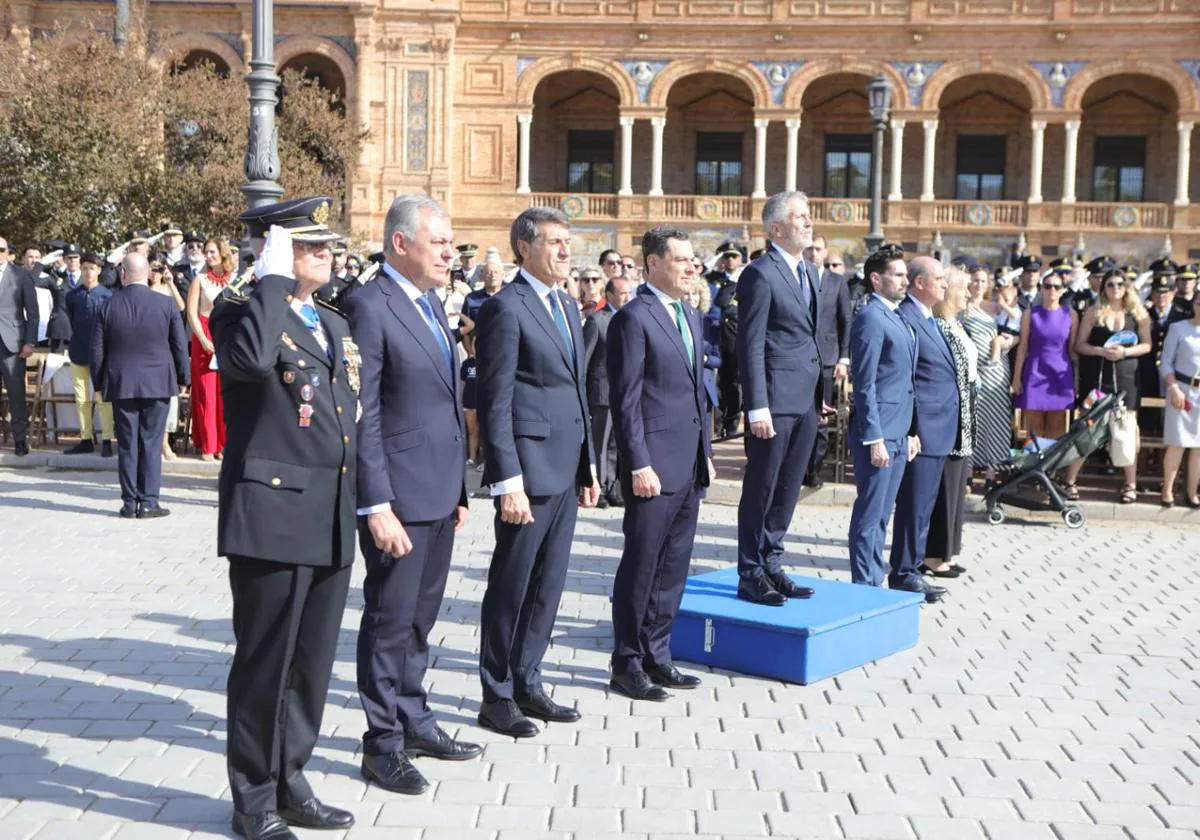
x,y
1087,434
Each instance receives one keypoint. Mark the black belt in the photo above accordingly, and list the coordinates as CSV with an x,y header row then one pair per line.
x,y
1187,381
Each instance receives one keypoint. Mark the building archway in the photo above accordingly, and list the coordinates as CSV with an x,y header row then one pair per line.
x,y
321,59
797,87
708,141
835,137
188,50
533,76
984,140
575,133
1035,88
1183,88
751,79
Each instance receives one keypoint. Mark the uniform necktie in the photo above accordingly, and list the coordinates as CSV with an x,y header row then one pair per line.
x,y
308,314
684,331
432,322
560,321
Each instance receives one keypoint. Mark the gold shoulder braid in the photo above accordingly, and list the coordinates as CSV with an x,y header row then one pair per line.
x,y
352,361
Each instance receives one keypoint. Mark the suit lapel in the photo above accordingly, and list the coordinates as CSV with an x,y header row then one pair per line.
x,y
538,309
693,320
575,328
303,338
413,321
931,331
659,313
789,279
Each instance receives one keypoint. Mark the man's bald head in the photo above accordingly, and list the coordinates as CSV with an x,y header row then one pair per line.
x,y
927,280
135,269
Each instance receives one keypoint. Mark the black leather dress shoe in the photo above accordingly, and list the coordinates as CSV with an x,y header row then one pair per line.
x,y
265,826
932,594
504,716
394,772
815,482
637,686
760,591
106,449
314,813
21,449
128,512
153,512
438,744
670,677
539,705
84,447
787,587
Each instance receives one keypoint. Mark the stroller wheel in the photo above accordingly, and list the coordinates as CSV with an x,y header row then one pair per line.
x,y
1073,517
996,515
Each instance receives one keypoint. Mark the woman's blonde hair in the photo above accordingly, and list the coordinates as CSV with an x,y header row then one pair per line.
x,y
228,263
703,295
1107,314
955,278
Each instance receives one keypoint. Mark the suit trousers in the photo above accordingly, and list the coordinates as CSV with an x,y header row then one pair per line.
x,y
770,489
12,371
402,597
85,401
877,490
140,425
286,621
648,587
825,392
605,438
525,585
910,527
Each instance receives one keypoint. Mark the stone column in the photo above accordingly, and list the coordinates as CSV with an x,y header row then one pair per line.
x,y
1035,161
897,126
760,159
657,124
1072,152
793,142
626,156
523,123
931,127
1183,164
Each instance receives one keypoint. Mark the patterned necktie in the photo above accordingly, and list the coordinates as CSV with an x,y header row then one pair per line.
x,y
308,314
684,331
432,322
560,321
805,288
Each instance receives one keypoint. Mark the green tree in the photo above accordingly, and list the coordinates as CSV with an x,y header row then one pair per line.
x,y
93,143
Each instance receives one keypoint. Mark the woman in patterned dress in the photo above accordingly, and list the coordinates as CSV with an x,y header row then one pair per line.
x,y
946,523
993,431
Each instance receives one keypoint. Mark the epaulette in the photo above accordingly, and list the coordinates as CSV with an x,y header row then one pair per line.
x,y
328,306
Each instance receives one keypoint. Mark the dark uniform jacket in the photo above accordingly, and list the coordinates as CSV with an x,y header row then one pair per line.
x,y
82,305
286,492
58,328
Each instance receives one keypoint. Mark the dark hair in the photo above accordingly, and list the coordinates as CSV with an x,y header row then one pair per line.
x,y
877,262
525,226
654,241
606,252
611,286
820,236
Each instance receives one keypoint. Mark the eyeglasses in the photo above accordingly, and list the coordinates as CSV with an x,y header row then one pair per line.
x,y
627,264
611,262
589,279
1115,284
156,268
1052,287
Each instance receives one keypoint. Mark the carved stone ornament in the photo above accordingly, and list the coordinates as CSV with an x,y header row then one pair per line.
x,y
777,74
643,73
1058,75
915,75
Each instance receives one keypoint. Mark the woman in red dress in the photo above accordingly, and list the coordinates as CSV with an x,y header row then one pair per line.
x,y
208,416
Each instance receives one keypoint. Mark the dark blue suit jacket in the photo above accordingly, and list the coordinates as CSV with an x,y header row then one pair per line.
x,y
138,346
778,360
833,325
883,359
712,356
937,388
533,409
82,306
657,395
411,450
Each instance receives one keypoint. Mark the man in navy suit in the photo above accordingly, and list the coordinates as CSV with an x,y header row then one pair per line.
x,y
18,335
936,426
412,493
138,361
656,381
833,337
883,356
779,365
540,466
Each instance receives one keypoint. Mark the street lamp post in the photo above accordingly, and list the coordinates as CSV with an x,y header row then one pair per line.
x,y
121,25
262,146
879,95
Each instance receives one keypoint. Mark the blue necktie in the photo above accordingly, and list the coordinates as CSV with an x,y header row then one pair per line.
x,y
308,314
431,321
560,321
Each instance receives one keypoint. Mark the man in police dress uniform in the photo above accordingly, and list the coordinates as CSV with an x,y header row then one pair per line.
x,y
289,374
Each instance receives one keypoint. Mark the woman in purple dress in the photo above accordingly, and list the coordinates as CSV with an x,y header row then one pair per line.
x,y
1044,376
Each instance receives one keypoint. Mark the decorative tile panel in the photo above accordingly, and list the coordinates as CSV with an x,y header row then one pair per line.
x,y
1057,74
416,121
644,72
524,62
778,74
916,74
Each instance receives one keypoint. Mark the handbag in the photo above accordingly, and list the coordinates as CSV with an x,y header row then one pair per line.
x,y
1122,431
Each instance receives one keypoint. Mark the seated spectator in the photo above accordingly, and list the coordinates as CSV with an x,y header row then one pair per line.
x,y
1180,368
1108,367
1044,375
946,524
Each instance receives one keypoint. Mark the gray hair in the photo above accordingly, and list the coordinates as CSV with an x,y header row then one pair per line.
x,y
525,226
775,211
404,217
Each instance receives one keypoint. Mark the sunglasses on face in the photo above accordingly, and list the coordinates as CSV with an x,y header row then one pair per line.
x,y
612,262
627,265
1052,287
157,268
833,265
1115,284
589,279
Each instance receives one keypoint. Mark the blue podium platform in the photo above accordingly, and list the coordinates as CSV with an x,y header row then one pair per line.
x,y
841,627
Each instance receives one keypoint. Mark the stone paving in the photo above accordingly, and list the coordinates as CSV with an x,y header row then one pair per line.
x,y
1054,694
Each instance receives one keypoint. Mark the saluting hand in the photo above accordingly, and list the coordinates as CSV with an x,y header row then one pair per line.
x,y
514,508
389,535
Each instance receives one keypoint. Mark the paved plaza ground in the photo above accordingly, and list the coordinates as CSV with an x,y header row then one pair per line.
x,y
1055,694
